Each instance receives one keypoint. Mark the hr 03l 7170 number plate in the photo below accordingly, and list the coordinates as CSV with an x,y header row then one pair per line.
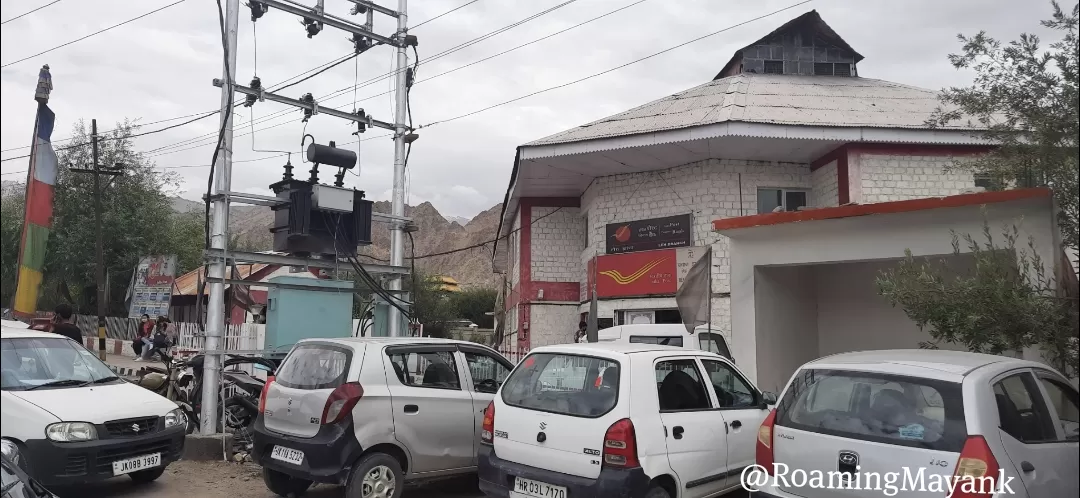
x,y
528,488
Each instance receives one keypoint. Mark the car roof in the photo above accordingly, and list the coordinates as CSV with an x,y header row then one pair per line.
x,y
618,348
936,363
393,341
7,332
14,324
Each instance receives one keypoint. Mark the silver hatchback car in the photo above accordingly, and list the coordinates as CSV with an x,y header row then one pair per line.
x,y
373,413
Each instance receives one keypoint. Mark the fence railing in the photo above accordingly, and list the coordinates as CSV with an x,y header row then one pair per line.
x,y
191,339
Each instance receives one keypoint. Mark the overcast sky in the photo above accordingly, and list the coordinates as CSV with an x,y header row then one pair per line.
x,y
161,67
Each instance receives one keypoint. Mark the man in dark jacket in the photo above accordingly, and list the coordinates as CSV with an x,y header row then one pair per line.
x,y
63,323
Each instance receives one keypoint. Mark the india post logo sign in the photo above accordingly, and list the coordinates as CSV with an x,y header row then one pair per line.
x,y
646,273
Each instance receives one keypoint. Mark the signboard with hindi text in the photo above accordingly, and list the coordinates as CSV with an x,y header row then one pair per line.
x,y
152,286
648,235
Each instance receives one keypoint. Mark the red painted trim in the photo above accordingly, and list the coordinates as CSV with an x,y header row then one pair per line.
x,y
554,291
566,202
843,180
833,155
524,267
919,149
879,208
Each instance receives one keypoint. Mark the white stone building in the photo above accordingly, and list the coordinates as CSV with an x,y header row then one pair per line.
x,y
787,125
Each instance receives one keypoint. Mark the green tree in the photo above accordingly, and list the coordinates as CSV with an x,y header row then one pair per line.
x,y
1027,100
11,219
474,305
431,306
990,298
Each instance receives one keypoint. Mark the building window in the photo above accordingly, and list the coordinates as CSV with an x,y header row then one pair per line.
x,y
774,67
781,199
988,182
823,69
842,69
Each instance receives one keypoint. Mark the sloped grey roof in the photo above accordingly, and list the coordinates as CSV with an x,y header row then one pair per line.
x,y
771,99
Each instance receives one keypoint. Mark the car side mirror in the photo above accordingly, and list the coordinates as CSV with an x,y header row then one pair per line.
x,y
768,398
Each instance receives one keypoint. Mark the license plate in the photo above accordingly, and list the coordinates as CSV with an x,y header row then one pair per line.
x,y
528,488
129,465
289,455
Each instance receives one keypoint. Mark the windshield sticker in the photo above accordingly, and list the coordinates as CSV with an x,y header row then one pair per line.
x,y
912,431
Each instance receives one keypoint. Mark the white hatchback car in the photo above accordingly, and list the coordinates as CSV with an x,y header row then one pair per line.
x,y
620,420
912,421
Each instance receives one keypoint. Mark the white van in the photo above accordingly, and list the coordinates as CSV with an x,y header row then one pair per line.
x,y
674,335
68,419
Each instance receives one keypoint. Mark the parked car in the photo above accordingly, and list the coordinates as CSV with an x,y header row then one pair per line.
x,y
16,484
674,335
67,419
948,414
374,413
620,420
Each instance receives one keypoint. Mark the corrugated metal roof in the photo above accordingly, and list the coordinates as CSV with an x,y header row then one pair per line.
x,y
188,283
772,99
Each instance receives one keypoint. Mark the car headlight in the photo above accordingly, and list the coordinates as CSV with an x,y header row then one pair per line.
x,y
175,418
68,432
10,450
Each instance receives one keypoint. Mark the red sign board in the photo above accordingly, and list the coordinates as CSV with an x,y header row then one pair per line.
x,y
649,273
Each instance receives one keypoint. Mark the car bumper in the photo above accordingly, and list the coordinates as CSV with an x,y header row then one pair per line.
x,y
328,456
61,464
497,479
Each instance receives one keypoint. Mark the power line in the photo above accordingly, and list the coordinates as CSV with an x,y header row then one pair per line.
x,y
616,68
93,34
24,14
417,25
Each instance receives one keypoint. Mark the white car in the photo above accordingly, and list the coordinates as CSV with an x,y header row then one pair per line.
x,y
883,418
68,419
620,420
675,335
373,413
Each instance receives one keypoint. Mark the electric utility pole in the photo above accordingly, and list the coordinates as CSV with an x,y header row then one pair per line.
x,y
397,207
215,308
314,19
99,246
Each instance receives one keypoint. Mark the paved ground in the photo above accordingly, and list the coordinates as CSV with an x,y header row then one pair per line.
x,y
225,480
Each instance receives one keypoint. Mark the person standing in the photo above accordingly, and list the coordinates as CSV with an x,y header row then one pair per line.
x,y
64,323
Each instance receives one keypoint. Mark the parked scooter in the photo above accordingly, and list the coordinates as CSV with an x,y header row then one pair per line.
x,y
170,382
240,408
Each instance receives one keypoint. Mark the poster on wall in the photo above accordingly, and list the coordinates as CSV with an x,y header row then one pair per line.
x,y
152,286
639,274
648,235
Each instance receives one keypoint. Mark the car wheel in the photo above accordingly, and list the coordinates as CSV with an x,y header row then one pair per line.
x,y
657,492
145,476
377,475
282,484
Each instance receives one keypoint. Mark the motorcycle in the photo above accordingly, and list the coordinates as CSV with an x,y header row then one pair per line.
x,y
170,382
239,409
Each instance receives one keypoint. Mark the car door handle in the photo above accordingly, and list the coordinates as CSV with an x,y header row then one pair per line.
x,y
735,424
677,432
412,409
1026,466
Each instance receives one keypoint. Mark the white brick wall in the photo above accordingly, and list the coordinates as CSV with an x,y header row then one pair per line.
x,y
558,237
885,178
708,189
826,190
553,324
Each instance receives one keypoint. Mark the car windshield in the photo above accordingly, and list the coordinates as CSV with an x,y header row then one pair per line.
x,y
49,363
580,386
889,409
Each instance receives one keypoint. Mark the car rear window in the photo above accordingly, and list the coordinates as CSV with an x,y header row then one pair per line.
x,y
579,386
906,411
661,340
314,366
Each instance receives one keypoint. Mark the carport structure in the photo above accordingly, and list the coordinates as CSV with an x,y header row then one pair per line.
x,y
803,283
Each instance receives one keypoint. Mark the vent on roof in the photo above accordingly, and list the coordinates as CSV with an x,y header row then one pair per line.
x,y
774,67
841,69
823,69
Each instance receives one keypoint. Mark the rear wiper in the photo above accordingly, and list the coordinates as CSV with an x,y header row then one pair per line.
x,y
60,383
103,380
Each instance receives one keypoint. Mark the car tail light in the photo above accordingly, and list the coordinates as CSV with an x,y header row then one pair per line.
x,y
978,465
341,402
620,445
765,443
487,430
262,395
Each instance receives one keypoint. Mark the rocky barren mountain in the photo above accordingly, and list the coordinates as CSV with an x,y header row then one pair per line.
x,y
251,227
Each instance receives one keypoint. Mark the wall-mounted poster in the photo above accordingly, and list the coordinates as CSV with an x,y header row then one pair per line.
x,y
648,235
152,286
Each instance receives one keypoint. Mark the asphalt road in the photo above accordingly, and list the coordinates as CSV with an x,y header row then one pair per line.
x,y
228,480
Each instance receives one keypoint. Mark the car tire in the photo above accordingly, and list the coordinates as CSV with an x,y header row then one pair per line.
x,y
282,484
657,492
145,476
377,470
